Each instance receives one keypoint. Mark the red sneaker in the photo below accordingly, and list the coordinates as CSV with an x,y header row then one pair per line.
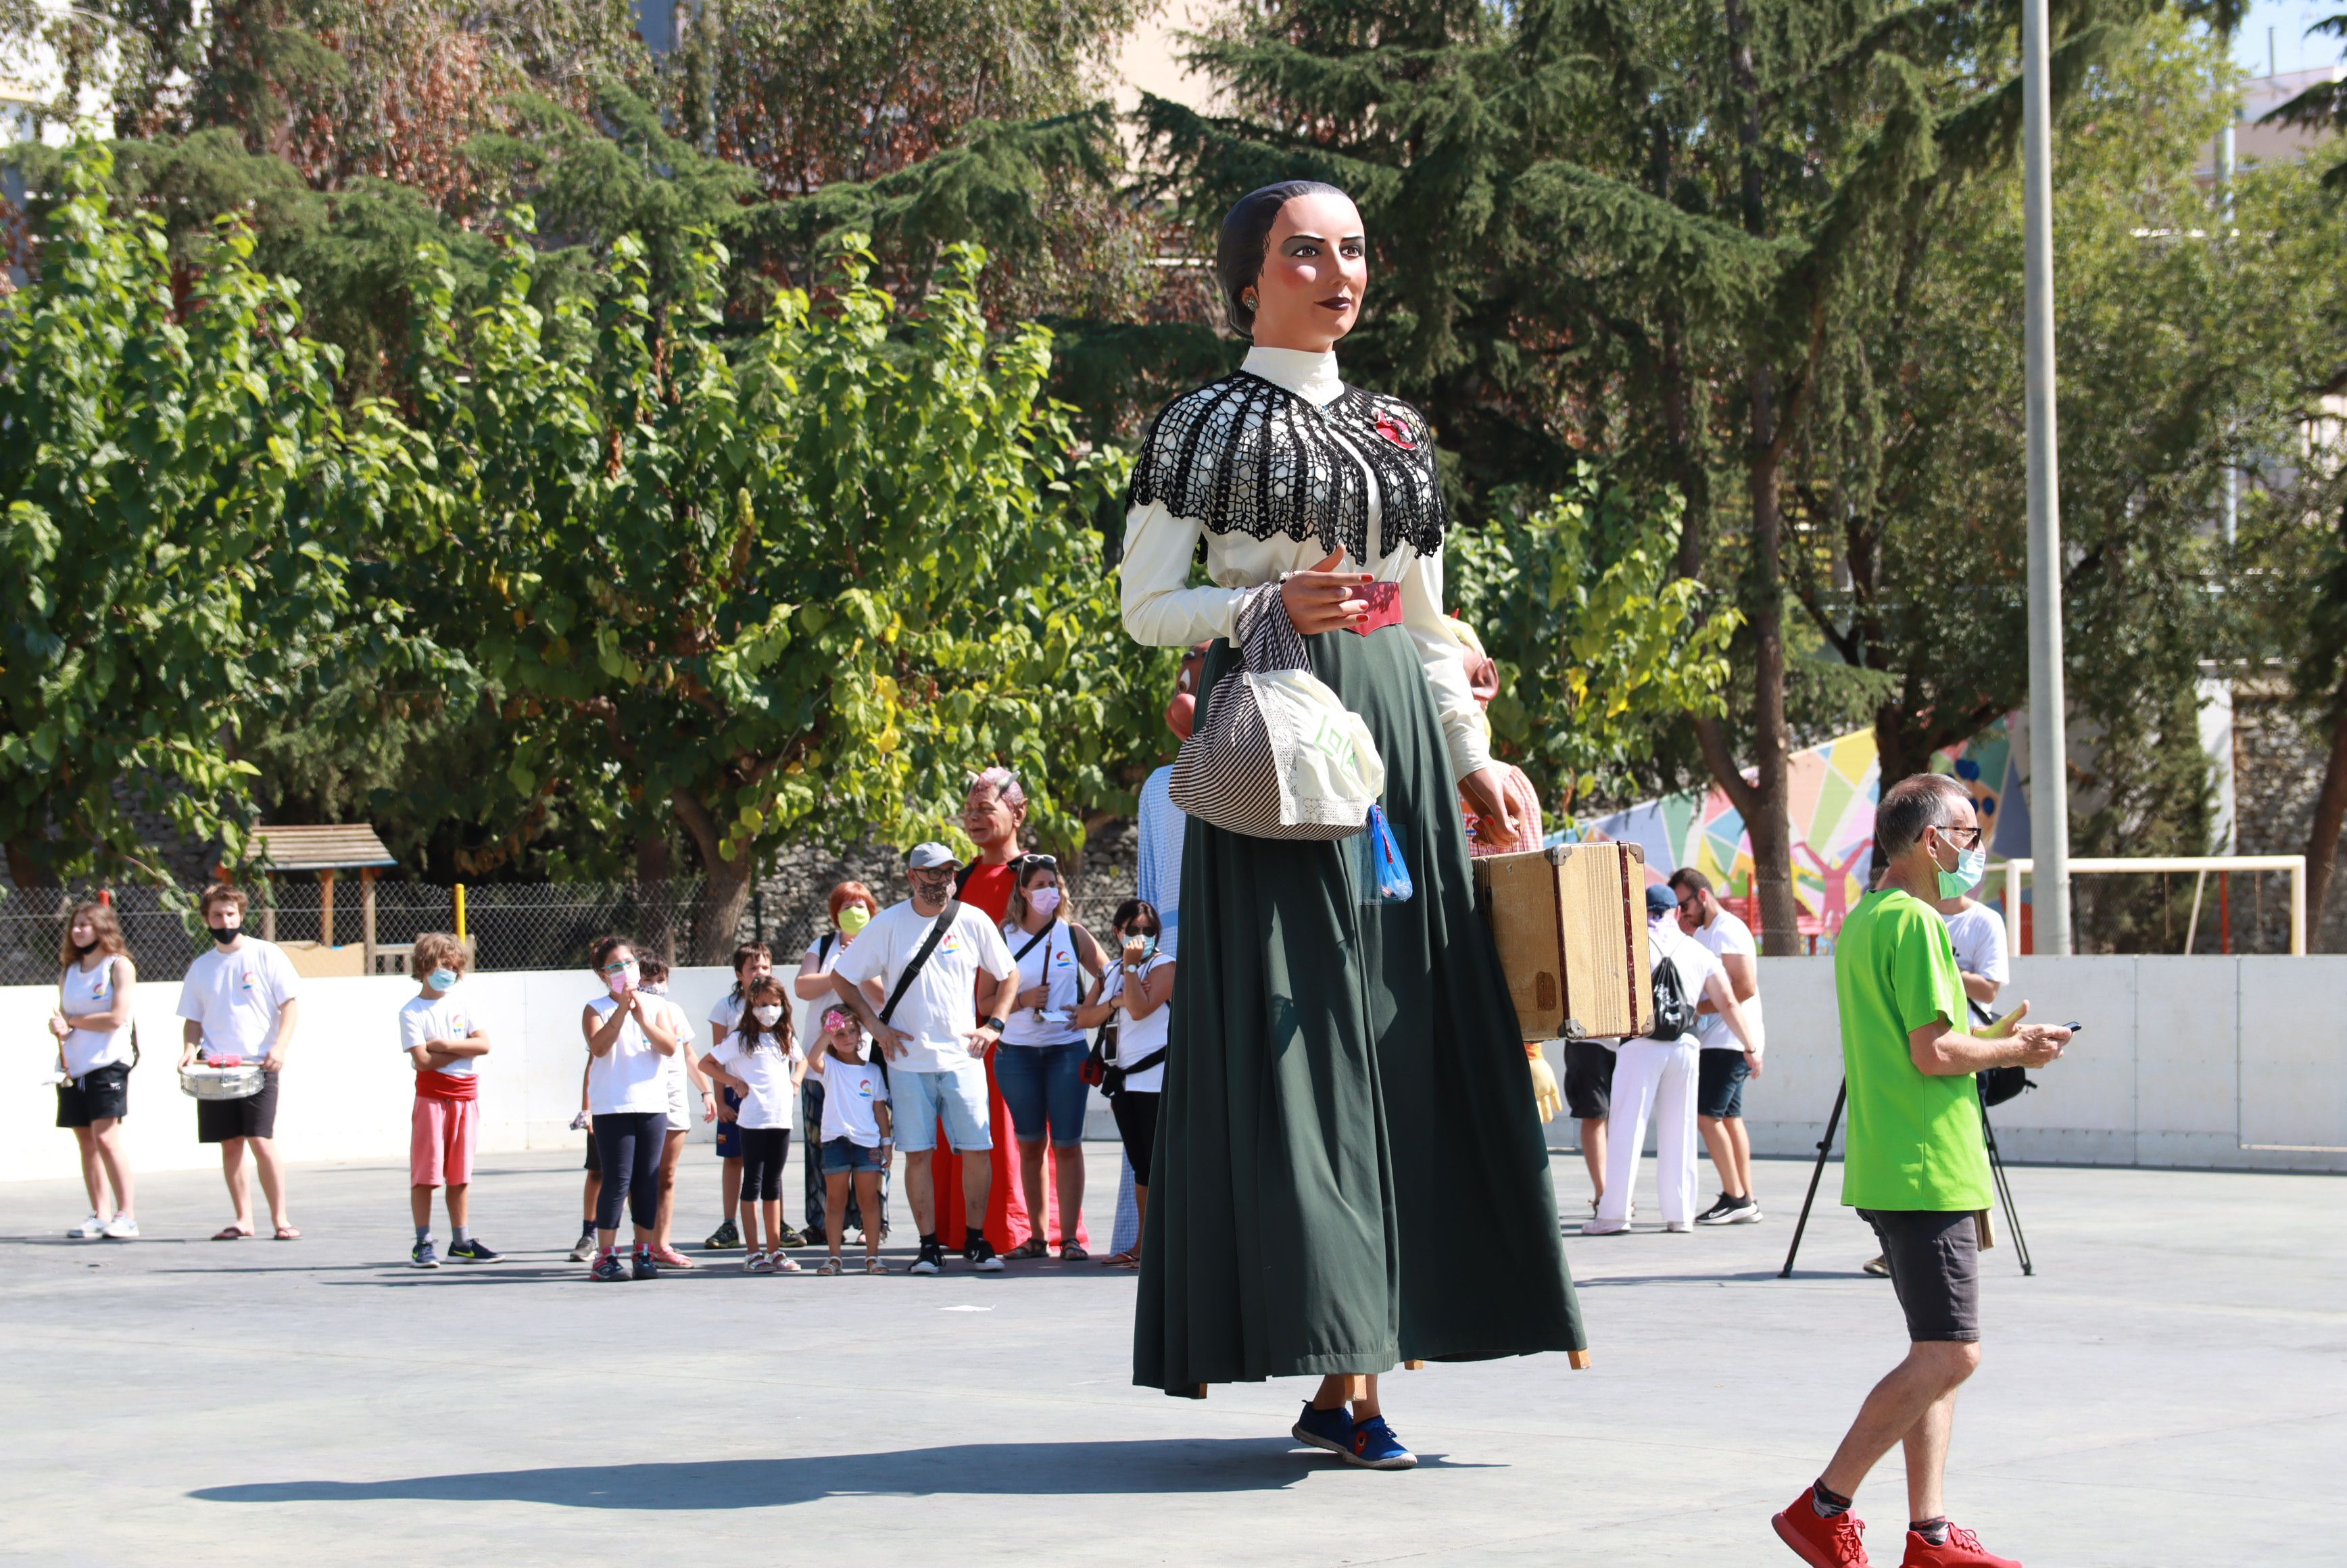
x,y
1964,1549
1820,1542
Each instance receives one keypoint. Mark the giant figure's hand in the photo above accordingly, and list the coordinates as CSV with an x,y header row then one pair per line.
x,y
1546,1095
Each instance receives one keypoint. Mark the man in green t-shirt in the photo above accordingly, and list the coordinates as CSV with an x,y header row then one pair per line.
x,y
1915,1166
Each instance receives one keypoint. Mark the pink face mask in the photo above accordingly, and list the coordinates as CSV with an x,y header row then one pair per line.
x,y
1044,901
626,981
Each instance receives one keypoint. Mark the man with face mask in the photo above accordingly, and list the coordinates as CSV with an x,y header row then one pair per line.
x,y
241,1001
929,954
1915,1167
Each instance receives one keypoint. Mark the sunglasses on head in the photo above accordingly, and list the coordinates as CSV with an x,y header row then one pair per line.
x,y
1029,861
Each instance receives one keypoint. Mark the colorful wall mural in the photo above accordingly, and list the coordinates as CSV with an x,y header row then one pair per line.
x,y
1833,790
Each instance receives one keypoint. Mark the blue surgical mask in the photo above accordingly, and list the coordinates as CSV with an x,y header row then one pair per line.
x,y
1148,948
443,979
1971,865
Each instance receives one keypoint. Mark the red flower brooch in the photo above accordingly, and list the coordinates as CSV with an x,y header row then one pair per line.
x,y
1395,431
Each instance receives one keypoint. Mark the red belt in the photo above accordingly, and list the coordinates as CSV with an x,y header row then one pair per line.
x,y
1385,608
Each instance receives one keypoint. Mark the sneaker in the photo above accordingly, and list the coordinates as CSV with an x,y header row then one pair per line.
x,y
724,1238
1329,1430
792,1239
643,1267
421,1254
1875,1267
669,1257
1822,1543
813,1236
1714,1215
1750,1215
932,1259
1963,1550
608,1267
757,1263
1677,1227
90,1229
584,1251
122,1227
830,1265
980,1252
1605,1227
1375,1447
875,1265
473,1252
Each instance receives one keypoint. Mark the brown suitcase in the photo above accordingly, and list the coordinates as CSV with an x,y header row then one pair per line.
x,y
1571,925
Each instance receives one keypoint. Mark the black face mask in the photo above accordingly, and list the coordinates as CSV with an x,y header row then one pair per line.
x,y
224,934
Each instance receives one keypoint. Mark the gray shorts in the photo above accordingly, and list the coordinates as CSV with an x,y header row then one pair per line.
x,y
1933,1255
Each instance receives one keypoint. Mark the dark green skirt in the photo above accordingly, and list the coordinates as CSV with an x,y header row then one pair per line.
x,y
1349,1168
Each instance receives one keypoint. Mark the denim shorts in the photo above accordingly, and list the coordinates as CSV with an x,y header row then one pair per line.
x,y
1044,1085
957,1094
844,1156
1720,1076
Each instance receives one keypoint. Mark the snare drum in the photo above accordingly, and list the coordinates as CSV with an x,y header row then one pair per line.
x,y
205,1081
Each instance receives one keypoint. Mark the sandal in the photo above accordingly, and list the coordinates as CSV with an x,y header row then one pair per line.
x,y
287,1233
1034,1246
874,1265
669,1257
1121,1260
1073,1253
828,1265
231,1233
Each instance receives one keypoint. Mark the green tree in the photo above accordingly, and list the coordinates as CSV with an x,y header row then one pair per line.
x,y
185,507
1602,646
796,593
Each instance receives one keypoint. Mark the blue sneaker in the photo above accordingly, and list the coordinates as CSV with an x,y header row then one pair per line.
x,y
1329,1430
423,1256
1375,1447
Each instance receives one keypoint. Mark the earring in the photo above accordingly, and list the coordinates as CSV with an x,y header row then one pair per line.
x,y
1248,299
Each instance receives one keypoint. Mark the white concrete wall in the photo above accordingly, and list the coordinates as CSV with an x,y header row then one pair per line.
x,y
2186,1061
347,1086
2183,1062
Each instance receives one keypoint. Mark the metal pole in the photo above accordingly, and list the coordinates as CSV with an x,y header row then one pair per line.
x,y
2232,512
2049,785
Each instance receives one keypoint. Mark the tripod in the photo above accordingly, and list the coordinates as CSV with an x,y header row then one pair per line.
x,y
1996,1170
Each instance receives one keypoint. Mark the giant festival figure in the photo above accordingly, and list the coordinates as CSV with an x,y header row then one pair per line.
x,y
1350,1170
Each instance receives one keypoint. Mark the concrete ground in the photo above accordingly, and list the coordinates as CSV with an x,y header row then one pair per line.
x,y
2170,1388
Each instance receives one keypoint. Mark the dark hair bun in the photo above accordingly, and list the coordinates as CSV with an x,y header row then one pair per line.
x,y
1246,234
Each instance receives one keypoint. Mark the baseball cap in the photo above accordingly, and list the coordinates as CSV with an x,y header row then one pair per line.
x,y
930,857
1661,900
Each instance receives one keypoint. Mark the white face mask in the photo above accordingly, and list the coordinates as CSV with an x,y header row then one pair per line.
x,y
770,1016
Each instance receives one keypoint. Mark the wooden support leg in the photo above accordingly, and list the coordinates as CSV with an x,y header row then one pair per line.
x,y
1577,1359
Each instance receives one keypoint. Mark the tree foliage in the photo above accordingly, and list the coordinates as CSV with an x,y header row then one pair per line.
x,y
187,508
795,592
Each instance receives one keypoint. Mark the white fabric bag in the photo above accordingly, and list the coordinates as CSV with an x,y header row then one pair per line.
x,y
1276,755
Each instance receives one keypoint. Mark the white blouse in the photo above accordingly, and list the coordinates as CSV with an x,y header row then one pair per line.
x,y
1162,609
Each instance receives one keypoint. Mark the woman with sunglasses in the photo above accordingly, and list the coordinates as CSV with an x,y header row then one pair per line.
x,y
1040,1065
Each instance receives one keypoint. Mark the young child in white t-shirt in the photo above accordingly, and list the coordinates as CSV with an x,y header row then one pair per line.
x,y
754,1060
444,1044
856,1137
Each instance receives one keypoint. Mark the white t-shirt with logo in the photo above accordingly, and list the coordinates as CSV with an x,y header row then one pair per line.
x,y
1725,936
1140,1037
236,998
850,1091
87,991
767,1072
628,1078
1051,962
941,1007
424,1019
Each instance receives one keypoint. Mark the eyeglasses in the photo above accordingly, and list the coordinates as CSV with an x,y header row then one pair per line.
x,y
1962,842
1687,905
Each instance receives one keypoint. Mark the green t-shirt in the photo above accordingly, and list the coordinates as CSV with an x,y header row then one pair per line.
x,y
1914,1139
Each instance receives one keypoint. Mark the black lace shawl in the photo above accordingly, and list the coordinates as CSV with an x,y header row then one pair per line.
x,y
1245,455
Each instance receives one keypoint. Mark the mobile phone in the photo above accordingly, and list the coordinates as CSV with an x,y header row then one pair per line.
x,y
2073,1026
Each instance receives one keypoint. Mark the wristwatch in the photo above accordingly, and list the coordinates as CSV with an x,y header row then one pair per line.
x,y
993,1023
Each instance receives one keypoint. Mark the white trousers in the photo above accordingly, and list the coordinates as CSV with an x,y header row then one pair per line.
x,y
1656,1077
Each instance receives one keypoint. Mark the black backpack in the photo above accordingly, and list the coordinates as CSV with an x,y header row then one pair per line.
x,y
1674,1014
1999,1084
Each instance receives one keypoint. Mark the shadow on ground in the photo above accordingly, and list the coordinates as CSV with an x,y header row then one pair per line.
x,y
972,1469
